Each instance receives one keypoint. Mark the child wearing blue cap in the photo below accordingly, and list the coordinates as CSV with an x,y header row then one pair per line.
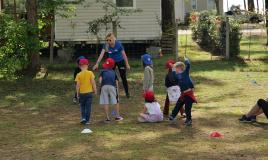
x,y
148,79
76,71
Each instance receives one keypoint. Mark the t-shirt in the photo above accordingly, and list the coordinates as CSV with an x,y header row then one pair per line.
x,y
84,79
153,108
184,80
148,79
108,77
115,52
170,80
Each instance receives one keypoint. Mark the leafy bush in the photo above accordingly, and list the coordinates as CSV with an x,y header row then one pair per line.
x,y
209,32
15,44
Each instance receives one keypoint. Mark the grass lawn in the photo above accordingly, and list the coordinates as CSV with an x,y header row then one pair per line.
x,y
256,47
38,120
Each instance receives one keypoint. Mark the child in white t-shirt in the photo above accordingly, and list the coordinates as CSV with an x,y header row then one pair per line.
x,y
151,111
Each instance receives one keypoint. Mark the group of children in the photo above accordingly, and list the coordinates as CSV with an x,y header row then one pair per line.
x,y
86,86
178,82
179,90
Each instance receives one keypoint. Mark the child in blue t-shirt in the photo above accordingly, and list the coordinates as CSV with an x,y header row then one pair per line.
x,y
109,89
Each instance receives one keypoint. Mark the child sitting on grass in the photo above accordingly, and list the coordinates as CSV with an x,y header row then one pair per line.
x,y
187,97
85,86
171,84
109,89
148,79
76,71
151,111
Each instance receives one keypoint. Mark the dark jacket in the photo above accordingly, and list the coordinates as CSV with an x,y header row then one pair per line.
x,y
170,80
184,80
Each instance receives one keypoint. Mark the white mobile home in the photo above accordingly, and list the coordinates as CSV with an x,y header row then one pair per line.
x,y
138,27
183,7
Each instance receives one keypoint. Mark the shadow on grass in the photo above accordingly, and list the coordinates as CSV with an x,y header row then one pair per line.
x,y
211,82
217,65
34,92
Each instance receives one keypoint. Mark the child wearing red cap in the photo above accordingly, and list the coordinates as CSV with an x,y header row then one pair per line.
x,y
85,86
109,89
151,111
173,89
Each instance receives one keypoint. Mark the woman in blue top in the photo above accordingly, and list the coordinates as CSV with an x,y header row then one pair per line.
x,y
116,51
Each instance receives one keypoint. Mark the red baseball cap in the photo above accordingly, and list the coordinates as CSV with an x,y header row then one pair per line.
x,y
149,95
169,63
83,62
108,64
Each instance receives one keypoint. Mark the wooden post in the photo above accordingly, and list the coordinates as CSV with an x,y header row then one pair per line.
x,y
174,28
177,40
227,50
249,44
114,28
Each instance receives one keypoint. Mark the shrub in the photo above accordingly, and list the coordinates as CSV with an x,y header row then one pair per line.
x,y
209,32
15,44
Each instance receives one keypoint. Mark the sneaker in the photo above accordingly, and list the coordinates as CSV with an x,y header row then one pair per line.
x,y
107,121
253,119
188,122
75,100
87,123
119,118
127,95
171,119
83,121
245,119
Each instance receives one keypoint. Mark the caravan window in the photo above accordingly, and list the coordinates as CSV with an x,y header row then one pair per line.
x,y
211,4
194,4
125,3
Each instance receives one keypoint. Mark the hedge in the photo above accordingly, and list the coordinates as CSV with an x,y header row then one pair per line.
x,y
209,32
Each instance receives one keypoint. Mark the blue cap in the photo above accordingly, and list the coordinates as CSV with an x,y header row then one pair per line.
x,y
147,59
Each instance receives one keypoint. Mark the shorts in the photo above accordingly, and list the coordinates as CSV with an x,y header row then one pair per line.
x,y
264,106
108,95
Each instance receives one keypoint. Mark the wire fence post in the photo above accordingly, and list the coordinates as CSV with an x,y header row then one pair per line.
x,y
227,50
177,42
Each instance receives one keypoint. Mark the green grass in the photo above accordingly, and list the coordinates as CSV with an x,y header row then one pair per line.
x,y
256,47
39,121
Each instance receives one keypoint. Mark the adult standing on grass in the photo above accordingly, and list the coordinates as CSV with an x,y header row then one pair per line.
x,y
116,51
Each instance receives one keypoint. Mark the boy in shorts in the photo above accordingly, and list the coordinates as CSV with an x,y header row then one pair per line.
x,y
109,89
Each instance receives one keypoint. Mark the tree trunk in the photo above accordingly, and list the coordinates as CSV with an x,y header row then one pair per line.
x,y
15,9
251,6
245,5
1,5
169,26
258,8
31,9
266,13
217,3
51,43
